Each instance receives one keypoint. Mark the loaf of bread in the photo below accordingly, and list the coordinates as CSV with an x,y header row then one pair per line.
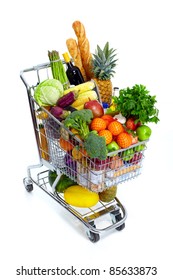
x,y
75,54
84,47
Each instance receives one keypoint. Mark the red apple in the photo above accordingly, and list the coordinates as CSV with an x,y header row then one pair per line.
x,y
95,107
131,124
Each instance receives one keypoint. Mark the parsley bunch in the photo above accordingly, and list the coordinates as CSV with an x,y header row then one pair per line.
x,y
137,102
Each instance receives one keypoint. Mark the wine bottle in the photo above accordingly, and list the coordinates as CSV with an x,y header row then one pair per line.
x,y
73,72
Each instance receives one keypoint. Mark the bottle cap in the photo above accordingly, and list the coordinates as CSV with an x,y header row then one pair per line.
x,y
66,57
105,105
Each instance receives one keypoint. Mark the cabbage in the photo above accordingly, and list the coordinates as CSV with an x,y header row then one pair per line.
x,y
48,92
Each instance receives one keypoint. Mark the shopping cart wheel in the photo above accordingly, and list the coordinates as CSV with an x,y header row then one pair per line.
x,y
28,184
93,236
117,217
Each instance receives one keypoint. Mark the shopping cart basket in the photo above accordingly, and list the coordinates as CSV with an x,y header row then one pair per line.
x,y
85,172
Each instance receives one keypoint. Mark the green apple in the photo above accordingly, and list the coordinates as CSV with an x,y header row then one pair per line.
x,y
143,132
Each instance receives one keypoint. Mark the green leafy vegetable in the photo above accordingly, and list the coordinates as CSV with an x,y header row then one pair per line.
x,y
63,183
137,102
58,71
80,120
95,146
48,92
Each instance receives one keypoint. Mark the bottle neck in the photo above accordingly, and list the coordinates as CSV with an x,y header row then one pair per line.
x,y
69,64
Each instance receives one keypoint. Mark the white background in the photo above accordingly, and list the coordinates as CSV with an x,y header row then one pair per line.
x,y
35,231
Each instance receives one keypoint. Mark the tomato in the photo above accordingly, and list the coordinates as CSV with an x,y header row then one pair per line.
x,y
131,124
108,119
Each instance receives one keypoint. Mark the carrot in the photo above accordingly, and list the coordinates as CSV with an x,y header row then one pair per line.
x,y
65,144
43,143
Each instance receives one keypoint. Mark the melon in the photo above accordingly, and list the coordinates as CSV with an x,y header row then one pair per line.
x,y
79,196
108,194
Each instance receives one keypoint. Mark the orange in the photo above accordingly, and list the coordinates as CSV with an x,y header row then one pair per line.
x,y
107,134
98,124
115,128
124,140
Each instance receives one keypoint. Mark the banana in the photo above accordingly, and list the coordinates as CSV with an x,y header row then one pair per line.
x,y
84,97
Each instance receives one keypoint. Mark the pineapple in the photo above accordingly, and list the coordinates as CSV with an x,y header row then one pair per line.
x,y
103,64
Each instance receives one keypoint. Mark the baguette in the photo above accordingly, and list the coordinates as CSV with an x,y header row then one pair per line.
x,y
84,47
43,145
75,54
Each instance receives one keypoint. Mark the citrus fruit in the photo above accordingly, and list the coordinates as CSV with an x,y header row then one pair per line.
x,y
124,140
107,134
115,128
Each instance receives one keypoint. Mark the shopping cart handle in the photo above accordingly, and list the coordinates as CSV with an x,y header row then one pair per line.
x,y
56,180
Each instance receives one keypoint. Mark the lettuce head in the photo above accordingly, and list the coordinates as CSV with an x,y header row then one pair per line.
x,y
48,92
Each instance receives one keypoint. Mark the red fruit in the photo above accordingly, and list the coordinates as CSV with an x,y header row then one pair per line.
x,y
130,124
108,119
95,107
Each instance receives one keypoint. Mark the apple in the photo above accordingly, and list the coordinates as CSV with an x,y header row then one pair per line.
x,y
143,132
95,107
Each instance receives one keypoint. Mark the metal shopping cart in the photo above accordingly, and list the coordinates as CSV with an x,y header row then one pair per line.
x,y
84,172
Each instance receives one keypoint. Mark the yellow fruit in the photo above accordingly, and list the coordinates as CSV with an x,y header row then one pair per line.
x,y
84,97
81,88
80,107
105,90
108,194
42,116
79,196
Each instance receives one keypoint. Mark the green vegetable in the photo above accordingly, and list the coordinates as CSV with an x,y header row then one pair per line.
x,y
95,146
63,183
58,71
79,120
48,92
137,102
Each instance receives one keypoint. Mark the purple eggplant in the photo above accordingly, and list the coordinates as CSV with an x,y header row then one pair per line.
x,y
59,112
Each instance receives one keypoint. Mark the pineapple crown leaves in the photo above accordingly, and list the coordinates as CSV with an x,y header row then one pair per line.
x,y
104,62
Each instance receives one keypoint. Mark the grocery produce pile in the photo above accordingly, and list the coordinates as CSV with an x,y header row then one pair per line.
x,y
110,131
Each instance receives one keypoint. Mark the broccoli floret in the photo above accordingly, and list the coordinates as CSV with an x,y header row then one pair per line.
x,y
79,120
95,146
